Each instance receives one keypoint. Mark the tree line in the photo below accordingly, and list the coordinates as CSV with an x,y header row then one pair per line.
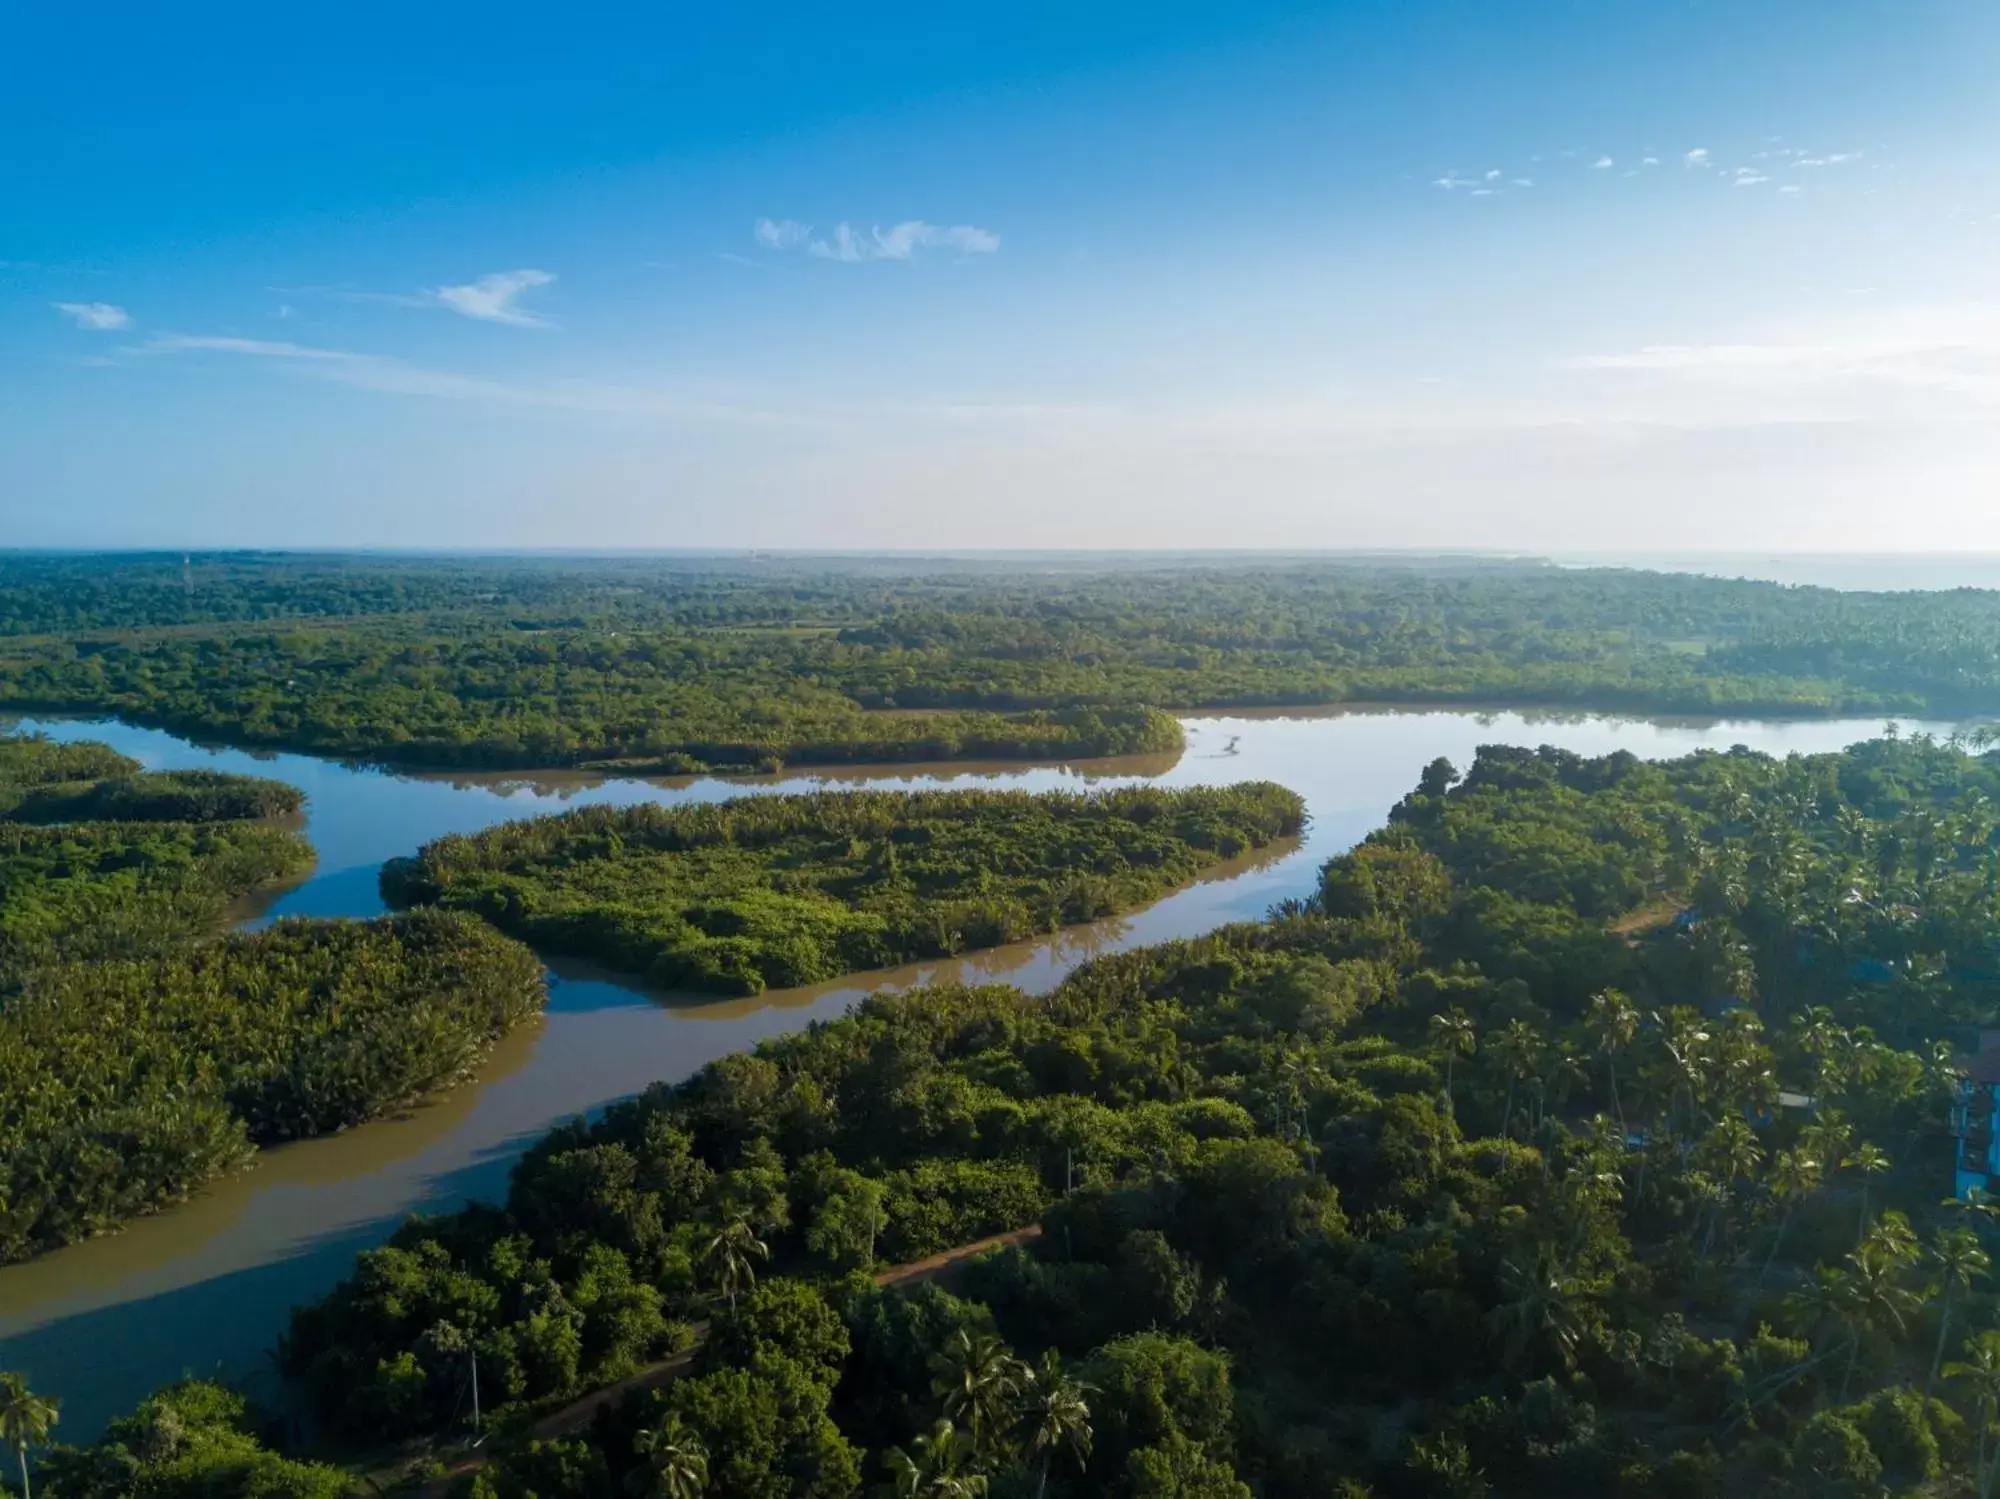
x,y
682,667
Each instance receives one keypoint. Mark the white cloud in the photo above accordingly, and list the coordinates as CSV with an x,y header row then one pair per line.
x,y
379,372
1650,161
99,317
183,343
781,234
1482,192
1524,182
902,241
1698,157
1789,187
1833,159
1601,163
492,298
1931,363
898,242
1492,174
1747,178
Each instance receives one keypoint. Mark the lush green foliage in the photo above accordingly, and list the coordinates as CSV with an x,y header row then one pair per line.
x,y
120,890
683,665
155,796
127,1084
138,1057
147,860
792,890
193,1440
1484,1108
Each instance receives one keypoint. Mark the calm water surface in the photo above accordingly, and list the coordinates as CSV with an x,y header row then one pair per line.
x,y
205,1288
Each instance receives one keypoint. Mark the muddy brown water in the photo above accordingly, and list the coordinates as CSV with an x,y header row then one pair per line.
x,y
206,1287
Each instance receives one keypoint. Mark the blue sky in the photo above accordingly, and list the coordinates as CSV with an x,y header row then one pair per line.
x,y
1540,275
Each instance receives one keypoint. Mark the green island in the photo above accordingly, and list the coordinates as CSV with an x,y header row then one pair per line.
x,y
141,1055
1584,1133
754,664
783,891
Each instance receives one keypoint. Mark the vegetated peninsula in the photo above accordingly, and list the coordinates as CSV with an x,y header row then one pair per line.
x,y
185,846
1599,1102
790,890
141,1054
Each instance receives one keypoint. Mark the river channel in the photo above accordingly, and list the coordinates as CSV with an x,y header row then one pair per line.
x,y
205,1288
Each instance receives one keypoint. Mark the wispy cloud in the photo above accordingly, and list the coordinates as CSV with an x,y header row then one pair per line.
x,y
99,317
495,298
851,246
781,234
1698,157
1748,177
185,343
1601,164
379,372
1832,159
1948,355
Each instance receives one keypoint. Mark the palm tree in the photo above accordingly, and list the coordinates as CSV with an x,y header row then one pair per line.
x,y
1453,1033
942,1468
25,1420
1517,1051
1878,1301
1794,1178
1056,1417
1980,1368
979,1380
1613,1022
1869,1161
1731,1153
676,1463
732,1254
1959,1261
1543,1306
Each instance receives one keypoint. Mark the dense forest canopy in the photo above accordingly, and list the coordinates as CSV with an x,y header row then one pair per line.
x,y
783,891
684,664
1602,1103
141,1054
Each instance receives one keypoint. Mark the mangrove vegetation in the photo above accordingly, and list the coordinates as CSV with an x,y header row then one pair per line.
x,y
782,891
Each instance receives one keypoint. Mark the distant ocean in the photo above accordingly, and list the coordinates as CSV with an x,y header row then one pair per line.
x,y
1857,571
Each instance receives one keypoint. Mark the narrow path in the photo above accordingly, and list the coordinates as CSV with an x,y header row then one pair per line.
x,y
579,1413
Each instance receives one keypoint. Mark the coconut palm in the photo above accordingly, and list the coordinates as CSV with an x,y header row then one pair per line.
x,y
1980,1369
1957,1258
1794,1177
731,1255
25,1421
1866,1161
979,1380
1879,1302
1455,1035
674,1463
941,1469
1055,1418
1613,1023
1543,1307
1517,1051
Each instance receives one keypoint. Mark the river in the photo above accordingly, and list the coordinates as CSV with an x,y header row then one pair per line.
x,y
205,1287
